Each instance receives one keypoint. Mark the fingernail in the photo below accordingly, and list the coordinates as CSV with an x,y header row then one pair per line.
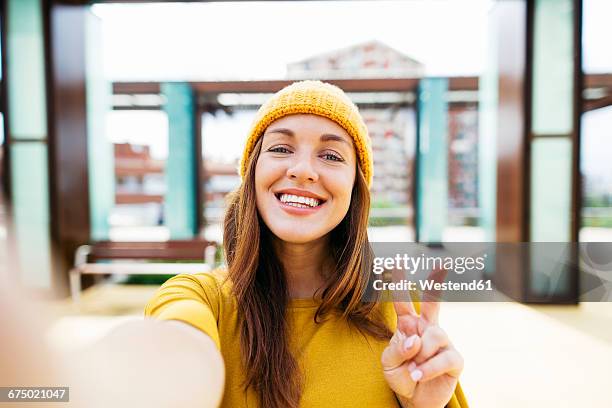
x,y
411,366
416,375
409,342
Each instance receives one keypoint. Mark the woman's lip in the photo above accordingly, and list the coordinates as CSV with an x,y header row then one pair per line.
x,y
297,210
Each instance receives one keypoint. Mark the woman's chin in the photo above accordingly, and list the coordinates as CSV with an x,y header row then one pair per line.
x,y
297,235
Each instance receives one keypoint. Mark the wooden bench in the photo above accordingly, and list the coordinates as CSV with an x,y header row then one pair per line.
x,y
134,258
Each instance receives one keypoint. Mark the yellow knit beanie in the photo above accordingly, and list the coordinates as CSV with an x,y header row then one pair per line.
x,y
318,98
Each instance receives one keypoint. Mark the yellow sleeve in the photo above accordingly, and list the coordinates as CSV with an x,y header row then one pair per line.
x,y
458,400
192,299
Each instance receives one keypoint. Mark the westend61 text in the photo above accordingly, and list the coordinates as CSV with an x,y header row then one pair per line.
x,y
430,284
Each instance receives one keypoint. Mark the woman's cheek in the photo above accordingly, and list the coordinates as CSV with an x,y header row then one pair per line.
x,y
265,170
341,195
343,186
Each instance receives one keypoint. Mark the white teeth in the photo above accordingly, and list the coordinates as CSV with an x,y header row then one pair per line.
x,y
299,201
297,205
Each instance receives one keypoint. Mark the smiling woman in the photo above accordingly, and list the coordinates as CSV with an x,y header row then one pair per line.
x,y
305,159
287,316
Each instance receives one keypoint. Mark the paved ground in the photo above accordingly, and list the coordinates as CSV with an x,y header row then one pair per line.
x,y
516,355
545,356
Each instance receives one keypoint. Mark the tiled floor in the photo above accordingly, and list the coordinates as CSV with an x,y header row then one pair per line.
x,y
516,355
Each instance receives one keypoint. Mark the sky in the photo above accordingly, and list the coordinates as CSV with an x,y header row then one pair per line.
x,y
596,36
256,40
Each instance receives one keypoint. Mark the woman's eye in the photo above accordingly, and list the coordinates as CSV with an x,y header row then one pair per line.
x,y
332,156
279,149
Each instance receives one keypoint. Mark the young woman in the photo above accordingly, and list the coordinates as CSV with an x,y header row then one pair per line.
x,y
287,316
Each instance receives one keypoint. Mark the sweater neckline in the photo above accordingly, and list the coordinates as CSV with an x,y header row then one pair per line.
x,y
303,303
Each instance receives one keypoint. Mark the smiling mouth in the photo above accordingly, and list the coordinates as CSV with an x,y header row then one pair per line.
x,y
298,201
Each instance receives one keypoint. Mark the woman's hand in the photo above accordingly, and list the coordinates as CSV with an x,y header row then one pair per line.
x,y
140,363
420,363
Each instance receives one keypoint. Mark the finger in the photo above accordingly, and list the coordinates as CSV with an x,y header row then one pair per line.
x,y
430,311
430,307
401,383
404,309
433,340
401,348
409,325
448,362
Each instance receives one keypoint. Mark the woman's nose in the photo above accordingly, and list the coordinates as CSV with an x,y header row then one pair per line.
x,y
302,171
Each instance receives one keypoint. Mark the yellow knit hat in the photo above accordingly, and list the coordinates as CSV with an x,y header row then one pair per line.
x,y
318,98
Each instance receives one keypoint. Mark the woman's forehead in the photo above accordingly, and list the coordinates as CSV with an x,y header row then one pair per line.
x,y
291,125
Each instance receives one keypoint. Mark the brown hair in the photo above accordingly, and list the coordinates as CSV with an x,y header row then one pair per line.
x,y
256,273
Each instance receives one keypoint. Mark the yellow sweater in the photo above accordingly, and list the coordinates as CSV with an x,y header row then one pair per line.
x,y
340,367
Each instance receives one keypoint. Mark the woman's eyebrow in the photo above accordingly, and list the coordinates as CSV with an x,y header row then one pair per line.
x,y
335,138
326,137
284,131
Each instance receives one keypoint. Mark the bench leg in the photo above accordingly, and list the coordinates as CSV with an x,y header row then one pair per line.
x,y
75,285
209,256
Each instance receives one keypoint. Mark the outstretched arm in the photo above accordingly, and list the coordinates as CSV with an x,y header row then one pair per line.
x,y
151,363
141,363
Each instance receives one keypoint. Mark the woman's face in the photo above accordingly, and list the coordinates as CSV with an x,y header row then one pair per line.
x,y
304,177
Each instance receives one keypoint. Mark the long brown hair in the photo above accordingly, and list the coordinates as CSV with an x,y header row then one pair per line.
x,y
260,288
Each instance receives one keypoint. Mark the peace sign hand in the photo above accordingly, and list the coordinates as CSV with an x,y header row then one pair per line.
x,y
420,363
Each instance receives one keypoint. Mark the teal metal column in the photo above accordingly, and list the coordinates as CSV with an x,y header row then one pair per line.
x,y
180,210
488,101
553,121
432,160
99,150
554,178
27,122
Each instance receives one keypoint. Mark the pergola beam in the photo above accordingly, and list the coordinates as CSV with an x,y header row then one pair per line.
x,y
591,81
271,86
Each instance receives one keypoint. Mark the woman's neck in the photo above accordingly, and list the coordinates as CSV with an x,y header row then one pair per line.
x,y
304,266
